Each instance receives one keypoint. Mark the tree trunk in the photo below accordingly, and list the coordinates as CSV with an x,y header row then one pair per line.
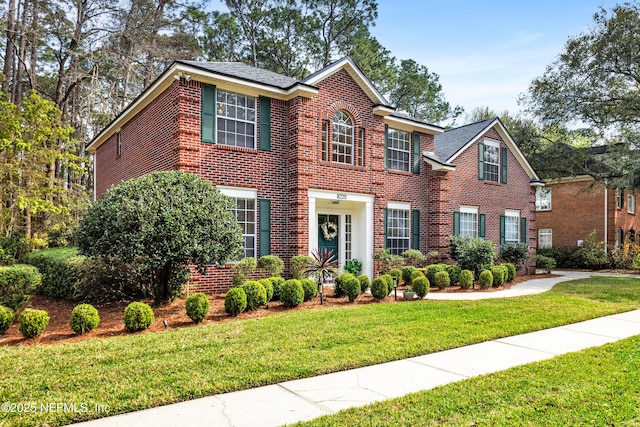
x,y
8,54
22,56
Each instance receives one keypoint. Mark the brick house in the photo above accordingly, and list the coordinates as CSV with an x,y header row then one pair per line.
x,y
324,162
568,209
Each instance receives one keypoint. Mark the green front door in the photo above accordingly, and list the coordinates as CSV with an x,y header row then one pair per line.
x,y
328,233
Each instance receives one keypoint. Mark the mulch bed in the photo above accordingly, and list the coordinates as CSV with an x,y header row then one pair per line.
x,y
111,323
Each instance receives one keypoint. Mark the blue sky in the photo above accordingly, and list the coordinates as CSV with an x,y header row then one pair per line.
x,y
486,52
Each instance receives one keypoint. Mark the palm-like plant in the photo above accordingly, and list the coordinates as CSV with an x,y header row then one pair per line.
x,y
324,264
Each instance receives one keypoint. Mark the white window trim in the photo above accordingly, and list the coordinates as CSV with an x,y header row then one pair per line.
x,y
398,150
631,203
540,189
470,210
401,206
512,214
619,198
255,122
547,231
244,193
496,144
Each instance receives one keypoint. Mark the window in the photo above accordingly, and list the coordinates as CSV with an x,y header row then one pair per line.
x,y
118,144
342,138
469,221
619,238
511,226
619,198
325,140
631,203
360,147
544,238
398,235
398,150
347,238
236,119
245,211
492,161
543,199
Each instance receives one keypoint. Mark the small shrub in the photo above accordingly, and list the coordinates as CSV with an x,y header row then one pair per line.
x,y
486,279
272,263
291,293
407,272
256,294
379,288
138,316
454,273
300,264
420,286
268,287
60,269
466,279
338,289
354,267
414,257
499,275
511,271
545,262
365,283
84,318
276,281
197,306
310,289
32,322
471,253
431,270
235,302
416,273
389,281
515,253
242,270
6,318
442,279
352,289
17,283
397,273
387,261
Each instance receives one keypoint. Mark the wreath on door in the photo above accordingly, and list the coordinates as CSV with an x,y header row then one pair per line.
x,y
329,230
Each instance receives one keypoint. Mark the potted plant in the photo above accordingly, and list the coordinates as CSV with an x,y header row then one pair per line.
x,y
408,293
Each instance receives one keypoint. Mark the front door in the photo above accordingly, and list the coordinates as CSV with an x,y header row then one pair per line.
x,y
328,233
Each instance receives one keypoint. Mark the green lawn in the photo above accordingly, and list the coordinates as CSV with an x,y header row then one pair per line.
x,y
142,371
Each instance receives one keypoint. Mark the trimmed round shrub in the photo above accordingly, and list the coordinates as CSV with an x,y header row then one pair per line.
x,y
17,283
32,322
256,294
6,318
310,289
235,302
352,289
272,263
379,288
442,279
486,279
276,281
415,274
466,279
389,280
511,271
197,306
338,290
268,287
407,272
138,316
300,264
420,286
396,272
454,273
365,283
291,293
431,270
84,318
499,275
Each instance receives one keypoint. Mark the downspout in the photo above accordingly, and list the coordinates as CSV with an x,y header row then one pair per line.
x,y
606,216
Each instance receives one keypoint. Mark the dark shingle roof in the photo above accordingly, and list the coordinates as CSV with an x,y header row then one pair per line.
x,y
245,72
451,141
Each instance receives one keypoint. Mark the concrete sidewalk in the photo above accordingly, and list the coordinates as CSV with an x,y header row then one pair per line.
x,y
309,398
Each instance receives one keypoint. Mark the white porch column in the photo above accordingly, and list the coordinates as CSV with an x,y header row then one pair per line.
x,y
367,264
313,225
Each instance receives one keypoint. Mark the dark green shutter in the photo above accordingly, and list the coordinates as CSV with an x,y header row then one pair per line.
x,y
504,165
481,161
483,226
415,229
208,126
456,223
386,215
523,230
386,150
265,227
265,123
502,229
416,153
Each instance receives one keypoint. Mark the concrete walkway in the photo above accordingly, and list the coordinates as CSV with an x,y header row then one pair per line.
x,y
309,398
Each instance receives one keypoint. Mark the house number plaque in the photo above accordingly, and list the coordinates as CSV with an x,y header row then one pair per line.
x,y
342,197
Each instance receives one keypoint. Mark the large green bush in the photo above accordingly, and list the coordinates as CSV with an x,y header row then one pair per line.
x,y
545,262
277,281
138,316
486,279
472,253
442,280
235,302
197,306
242,269
32,322
17,283
310,289
60,269
379,288
466,279
6,318
300,264
84,318
103,280
291,293
272,263
420,286
256,294
13,248
165,221
515,253
365,283
268,287
352,289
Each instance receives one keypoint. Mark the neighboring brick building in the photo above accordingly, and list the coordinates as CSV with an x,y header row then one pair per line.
x,y
303,156
568,209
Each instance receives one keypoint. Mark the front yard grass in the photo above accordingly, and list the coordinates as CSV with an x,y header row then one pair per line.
x,y
142,371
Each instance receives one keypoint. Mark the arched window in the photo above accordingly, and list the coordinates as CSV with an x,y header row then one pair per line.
x,y
342,138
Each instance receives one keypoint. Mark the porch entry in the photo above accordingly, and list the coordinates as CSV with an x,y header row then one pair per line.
x,y
328,236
